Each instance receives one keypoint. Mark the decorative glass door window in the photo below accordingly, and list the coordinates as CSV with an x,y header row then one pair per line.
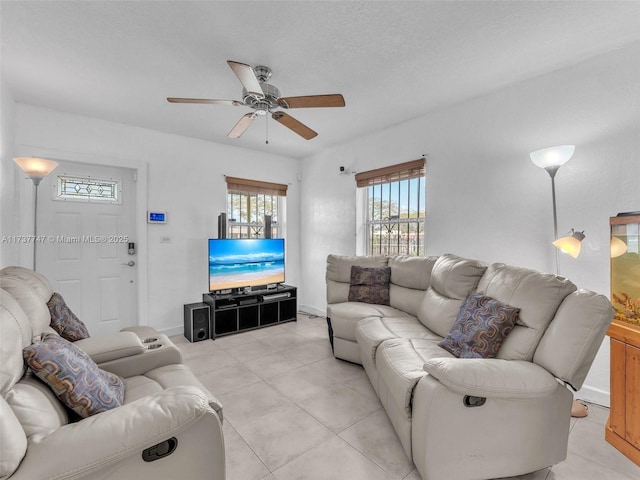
x,y
85,189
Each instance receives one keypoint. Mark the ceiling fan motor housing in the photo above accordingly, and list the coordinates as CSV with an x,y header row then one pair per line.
x,y
268,102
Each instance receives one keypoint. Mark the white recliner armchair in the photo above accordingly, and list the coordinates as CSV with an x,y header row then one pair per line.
x,y
168,426
111,352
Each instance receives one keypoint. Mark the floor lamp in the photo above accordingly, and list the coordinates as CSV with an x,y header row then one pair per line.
x,y
551,159
36,169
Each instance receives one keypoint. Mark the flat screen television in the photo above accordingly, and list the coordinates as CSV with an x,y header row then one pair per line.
x,y
245,262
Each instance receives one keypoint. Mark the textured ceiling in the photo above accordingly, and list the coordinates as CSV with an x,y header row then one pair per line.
x,y
392,61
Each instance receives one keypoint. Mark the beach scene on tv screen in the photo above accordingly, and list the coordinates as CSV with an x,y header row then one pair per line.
x,y
245,263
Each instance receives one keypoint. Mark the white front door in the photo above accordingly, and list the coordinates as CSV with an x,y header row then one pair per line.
x,y
86,218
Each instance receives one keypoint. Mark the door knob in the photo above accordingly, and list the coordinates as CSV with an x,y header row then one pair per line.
x,y
130,263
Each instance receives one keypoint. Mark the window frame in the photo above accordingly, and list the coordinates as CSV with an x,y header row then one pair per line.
x,y
258,193
394,176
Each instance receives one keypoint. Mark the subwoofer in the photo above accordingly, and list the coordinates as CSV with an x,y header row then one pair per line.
x,y
196,322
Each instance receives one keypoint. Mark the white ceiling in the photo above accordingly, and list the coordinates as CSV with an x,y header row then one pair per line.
x,y
392,60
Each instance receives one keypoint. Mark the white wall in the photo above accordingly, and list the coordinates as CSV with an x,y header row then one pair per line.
x,y
8,251
485,199
185,179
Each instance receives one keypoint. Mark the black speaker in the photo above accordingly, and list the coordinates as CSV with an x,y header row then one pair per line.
x,y
222,225
267,226
196,322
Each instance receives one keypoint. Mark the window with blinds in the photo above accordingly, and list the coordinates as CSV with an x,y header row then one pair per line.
x,y
395,208
250,204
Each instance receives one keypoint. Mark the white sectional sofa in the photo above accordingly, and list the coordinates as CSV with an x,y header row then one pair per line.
x,y
469,418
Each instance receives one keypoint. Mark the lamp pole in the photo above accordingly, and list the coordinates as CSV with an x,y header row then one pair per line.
x,y
552,173
36,183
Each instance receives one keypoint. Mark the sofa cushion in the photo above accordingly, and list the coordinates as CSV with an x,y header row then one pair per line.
x,y
15,334
37,408
572,340
345,316
138,387
537,295
38,282
452,279
371,332
411,272
369,284
158,379
410,277
480,327
400,364
33,306
64,321
13,441
73,376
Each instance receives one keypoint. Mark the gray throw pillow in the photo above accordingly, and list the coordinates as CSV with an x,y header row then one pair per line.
x,y
370,284
64,321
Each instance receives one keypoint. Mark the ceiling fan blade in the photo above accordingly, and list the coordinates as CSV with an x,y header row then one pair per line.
x,y
210,101
310,101
247,77
293,124
242,125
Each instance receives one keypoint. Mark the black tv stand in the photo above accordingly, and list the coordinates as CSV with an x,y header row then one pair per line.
x,y
241,311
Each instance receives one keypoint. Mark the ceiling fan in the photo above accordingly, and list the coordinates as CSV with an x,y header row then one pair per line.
x,y
264,98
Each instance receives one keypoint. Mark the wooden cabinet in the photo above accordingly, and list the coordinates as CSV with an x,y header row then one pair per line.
x,y
623,428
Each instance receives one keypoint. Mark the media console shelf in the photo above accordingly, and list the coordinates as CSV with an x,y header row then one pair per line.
x,y
237,312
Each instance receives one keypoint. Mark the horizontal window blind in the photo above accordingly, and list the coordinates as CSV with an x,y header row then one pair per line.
x,y
244,185
392,173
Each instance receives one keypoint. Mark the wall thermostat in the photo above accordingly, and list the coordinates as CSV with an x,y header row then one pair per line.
x,y
156,217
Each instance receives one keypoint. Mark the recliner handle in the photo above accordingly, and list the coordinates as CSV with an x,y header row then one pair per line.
x,y
161,450
471,401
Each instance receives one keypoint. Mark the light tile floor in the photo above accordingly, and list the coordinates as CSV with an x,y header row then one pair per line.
x,y
293,412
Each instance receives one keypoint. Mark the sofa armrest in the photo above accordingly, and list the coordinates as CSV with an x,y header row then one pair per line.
x,y
491,377
159,353
111,347
97,443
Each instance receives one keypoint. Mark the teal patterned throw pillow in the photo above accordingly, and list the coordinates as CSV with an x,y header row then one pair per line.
x,y
370,284
73,376
480,327
64,321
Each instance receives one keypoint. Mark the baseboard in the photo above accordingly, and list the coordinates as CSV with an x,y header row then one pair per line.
x,y
594,395
177,330
312,310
